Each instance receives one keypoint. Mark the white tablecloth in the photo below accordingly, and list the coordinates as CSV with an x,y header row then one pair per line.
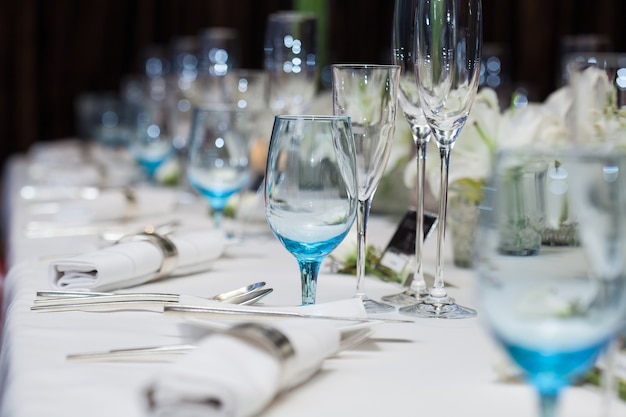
x,y
429,368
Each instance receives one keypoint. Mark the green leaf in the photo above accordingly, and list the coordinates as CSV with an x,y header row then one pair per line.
x,y
372,259
595,378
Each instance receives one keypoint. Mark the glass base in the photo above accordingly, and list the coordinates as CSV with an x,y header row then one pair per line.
x,y
406,298
374,307
438,308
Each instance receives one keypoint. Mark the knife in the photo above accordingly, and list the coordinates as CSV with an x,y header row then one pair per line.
x,y
221,312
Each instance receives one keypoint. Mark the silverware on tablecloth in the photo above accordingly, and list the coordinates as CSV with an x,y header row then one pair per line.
x,y
165,353
264,314
54,301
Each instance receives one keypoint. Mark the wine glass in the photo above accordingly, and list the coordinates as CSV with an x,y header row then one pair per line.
x,y
367,93
246,89
555,312
291,61
448,38
310,189
596,80
218,156
403,40
151,143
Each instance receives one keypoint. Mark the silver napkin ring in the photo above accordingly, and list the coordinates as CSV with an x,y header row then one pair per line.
x,y
266,337
165,246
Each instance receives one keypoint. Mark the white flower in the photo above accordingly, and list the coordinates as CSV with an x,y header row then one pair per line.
x,y
488,129
598,121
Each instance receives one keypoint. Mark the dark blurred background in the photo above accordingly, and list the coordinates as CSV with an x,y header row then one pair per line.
x,y
51,51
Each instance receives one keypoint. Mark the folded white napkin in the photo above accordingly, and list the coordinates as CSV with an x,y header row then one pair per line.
x,y
109,204
132,263
230,376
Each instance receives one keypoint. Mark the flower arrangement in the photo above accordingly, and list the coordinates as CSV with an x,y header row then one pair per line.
x,y
547,125
489,128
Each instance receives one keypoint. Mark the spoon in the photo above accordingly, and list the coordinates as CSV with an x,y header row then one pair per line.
x,y
248,298
234,294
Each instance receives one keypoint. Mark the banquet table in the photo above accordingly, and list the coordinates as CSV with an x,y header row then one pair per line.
x,y
426,367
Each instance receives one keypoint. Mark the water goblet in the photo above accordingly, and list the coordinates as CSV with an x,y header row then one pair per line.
x,y
291,61
218,156
310,189
448,39
403,40
597,81
367,93
246,89
151,144
555,312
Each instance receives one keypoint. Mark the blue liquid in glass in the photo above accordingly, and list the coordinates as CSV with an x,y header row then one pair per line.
x,y
216,198
310,256
550,370
311,250
150,166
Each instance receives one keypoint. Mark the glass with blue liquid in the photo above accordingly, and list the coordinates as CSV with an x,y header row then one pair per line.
x,y
151,144
218,156
554,311
311,192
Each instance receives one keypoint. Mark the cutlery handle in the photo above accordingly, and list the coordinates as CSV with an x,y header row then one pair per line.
x,y
154,306
107,298
148,354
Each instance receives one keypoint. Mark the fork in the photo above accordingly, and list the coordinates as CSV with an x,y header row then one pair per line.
x,y
54,300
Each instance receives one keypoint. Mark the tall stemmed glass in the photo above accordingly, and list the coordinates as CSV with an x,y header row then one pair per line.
x,y
310,189
596,80
291,61
556,311
447,62
403,45
218,157
151,142
369,95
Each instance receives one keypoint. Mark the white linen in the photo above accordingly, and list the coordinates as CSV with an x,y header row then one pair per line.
x,y
109,204
431,367
132,263
227,376
75,162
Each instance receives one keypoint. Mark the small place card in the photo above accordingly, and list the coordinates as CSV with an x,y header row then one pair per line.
x,y
396,260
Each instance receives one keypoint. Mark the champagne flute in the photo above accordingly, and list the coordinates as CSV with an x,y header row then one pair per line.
x,y
218,156
310,189
291,61
448,36
367,93
403,40
555,312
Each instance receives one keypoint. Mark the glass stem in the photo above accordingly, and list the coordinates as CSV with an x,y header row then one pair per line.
x,y
609,380
308,276
438,290
548,402
363,212
218,217
419,284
